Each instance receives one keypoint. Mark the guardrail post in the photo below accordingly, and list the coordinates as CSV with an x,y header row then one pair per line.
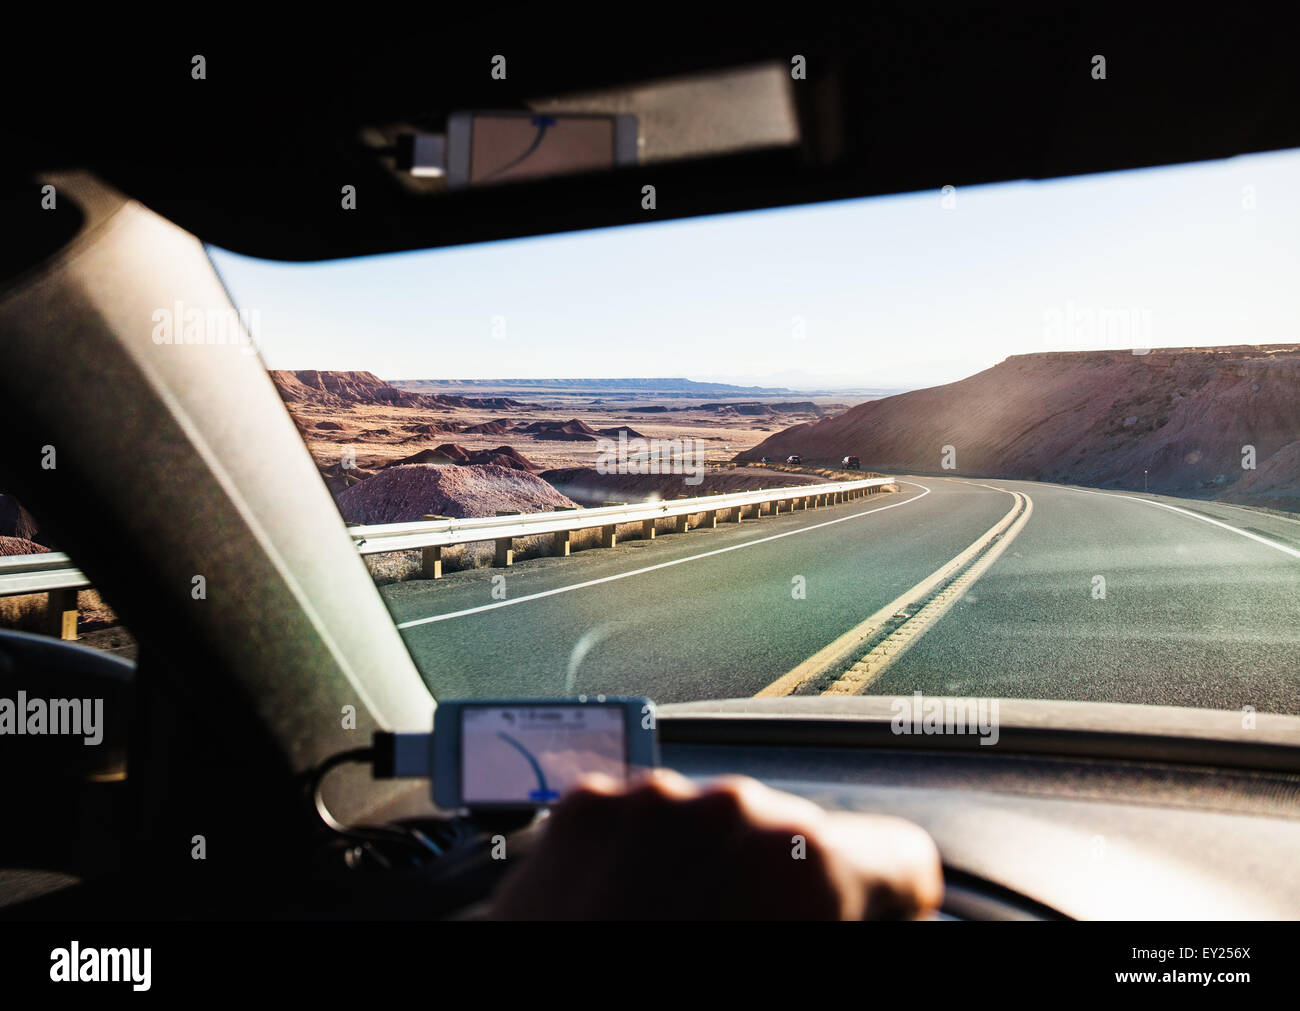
x,y
431,558
505,552
776,508
562,543
711,519
608,536
682,524
648,530
61,613
740,514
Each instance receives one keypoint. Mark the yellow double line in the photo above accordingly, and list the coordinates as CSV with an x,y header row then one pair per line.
x,y
958,574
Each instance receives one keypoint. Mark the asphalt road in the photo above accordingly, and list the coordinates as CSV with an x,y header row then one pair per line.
x,y
1194,614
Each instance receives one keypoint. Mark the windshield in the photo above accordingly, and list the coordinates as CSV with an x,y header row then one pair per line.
x,y
1029,440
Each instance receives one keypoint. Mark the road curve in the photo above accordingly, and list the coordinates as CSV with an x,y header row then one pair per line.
x,y
1193,613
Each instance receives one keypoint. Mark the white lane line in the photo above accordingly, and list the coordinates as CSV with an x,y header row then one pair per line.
x,y
1196,516
1257,513
662,565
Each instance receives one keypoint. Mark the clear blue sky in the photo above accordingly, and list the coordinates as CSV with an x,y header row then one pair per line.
x,y
894,291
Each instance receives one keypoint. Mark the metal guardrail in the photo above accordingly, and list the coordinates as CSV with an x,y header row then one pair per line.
x,y
53,572
377,538
50,570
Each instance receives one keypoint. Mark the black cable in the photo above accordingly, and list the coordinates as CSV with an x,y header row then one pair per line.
x,y
367,836
358,755
361,834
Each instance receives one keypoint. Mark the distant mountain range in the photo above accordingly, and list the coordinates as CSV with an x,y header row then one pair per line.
x,y
670,386
341,389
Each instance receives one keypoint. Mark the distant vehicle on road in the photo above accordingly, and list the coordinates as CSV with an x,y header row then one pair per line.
x,y
851,463
794,458
765,459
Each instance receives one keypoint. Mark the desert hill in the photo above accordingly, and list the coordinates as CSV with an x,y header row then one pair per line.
x,y
15,521
451,454
1097,418
20,546
340,389
404,494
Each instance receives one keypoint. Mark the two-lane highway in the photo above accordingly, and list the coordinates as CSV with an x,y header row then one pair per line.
x,y
1092,596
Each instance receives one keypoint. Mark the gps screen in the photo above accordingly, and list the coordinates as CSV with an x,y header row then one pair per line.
x,y
532,754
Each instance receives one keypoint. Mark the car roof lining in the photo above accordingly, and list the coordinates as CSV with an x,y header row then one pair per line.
x,y
896,99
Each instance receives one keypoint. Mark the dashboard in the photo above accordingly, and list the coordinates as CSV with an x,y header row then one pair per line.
x,y
1028,837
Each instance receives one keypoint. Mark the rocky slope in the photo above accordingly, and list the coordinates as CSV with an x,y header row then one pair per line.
x,y
1097,418
404,494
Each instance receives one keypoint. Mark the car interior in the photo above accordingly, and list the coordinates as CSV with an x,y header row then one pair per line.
x,y
267,657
